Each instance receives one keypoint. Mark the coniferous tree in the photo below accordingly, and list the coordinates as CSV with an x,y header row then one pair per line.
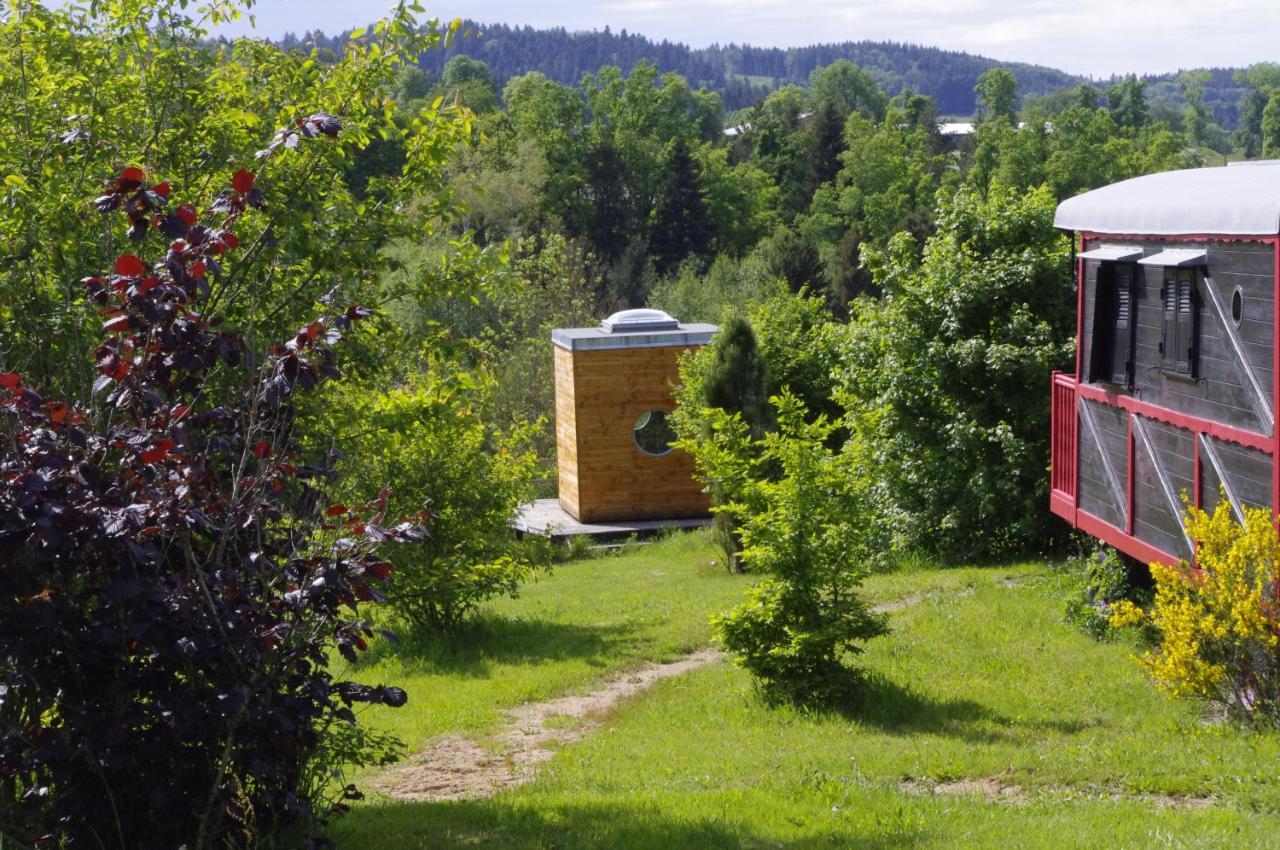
x,y
681,224
827,145
607,218
737,383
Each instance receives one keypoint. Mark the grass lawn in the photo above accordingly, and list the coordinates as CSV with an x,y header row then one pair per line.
x,y
1039,736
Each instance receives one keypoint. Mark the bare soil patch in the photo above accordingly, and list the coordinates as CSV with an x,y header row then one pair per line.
x,y
899,604
454,767
997,789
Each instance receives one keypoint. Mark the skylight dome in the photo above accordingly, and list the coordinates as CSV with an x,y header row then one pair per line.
x,y
634,321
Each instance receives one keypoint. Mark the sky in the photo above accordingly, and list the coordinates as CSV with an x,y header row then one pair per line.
x,y
1095,38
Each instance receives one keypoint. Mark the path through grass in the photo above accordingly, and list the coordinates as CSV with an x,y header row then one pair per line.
x,y
986,722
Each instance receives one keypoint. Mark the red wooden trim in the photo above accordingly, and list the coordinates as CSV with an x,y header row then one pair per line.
x,y
1063,506
1195,471
1131,500
1248,439
1079,307
1267,239
1275,391
1127,543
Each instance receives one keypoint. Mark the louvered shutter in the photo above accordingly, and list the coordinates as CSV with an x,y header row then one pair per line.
x,y
1122,333
1169,337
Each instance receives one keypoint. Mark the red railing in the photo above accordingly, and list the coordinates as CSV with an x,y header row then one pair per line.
x,y
1062,475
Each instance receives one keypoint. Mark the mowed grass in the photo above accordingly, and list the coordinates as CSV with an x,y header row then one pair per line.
x,y
979,681
569,629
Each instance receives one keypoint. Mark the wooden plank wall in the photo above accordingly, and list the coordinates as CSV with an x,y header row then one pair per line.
x,y
1156,521
603,474
1096,494
566,432
1221,393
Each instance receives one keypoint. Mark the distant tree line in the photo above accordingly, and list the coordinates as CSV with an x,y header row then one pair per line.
x,y
743,74
740,74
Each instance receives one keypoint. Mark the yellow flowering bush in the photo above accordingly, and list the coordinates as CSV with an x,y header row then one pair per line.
x,y
1217,619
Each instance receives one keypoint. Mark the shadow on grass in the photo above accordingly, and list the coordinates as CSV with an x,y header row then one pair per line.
x,y
493,823
877,701
475,646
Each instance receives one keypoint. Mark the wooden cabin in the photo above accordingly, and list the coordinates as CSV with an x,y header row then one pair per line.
x,y
613,394
1175,383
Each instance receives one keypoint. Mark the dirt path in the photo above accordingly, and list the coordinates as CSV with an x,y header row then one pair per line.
x,y
454,767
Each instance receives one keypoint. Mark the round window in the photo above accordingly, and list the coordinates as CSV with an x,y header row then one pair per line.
x,y
1237,306
653,433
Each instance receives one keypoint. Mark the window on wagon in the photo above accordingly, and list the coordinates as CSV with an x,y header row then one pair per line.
x,y
1181,271
1111,352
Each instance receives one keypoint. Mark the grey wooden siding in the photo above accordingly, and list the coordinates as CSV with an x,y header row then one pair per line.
x,y
1247,473
1163,468
1222,393
1097,489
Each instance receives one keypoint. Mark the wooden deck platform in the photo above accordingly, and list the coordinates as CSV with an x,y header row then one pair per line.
x,y
545,516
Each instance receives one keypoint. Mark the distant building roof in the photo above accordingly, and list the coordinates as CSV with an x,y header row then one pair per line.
x,y
956,128
1212,201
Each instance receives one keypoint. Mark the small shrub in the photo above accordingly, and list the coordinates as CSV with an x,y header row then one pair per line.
x,y
810,534
1217,620
1102,579
427,441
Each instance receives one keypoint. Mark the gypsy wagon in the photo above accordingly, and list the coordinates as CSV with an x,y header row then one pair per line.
x,y
1175,384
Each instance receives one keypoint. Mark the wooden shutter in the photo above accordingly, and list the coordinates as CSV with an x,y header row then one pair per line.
x,y
1169,336
1179,347
1188,321
1104,311
1122,333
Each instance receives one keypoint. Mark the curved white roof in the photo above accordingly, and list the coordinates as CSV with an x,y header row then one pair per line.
x,y
1226,201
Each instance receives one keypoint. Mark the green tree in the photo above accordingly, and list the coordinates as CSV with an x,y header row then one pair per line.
x,y
1259,81
736,382
1197,119
844,87
469,82
166,98
808,528
681,225
946,375
1271,126
997,91
826,145
425,439
1127,101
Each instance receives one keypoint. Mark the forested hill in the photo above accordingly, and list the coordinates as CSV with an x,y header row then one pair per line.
x,y
741,74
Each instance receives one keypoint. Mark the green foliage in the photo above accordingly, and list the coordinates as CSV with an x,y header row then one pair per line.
x,y
846,88
997,92
1102,578
91,87
792,256
728,286
1127,100
801,346
1270,126
681,224
944,377
809,531
425,442
735,382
